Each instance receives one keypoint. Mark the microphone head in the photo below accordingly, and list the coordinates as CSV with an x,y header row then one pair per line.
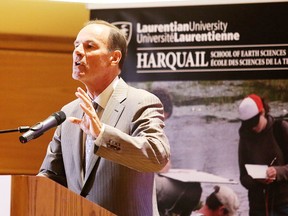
x,y
60,117
38,129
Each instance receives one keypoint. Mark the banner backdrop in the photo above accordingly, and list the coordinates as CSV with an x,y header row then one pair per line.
x,y
207,58
238,41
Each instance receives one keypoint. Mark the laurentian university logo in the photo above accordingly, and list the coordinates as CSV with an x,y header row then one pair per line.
x,y
126,28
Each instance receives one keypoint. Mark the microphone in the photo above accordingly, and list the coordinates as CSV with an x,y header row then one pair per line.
x,y
39,128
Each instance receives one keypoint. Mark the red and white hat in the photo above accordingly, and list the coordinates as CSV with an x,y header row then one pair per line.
x,y
250,107
228,198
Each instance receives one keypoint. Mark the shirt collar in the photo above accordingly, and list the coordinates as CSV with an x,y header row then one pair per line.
x,y
103,97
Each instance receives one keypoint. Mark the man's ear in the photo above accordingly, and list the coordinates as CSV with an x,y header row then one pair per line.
x,y
115,57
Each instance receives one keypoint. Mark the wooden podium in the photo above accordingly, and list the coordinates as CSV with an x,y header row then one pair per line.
x,y
34,196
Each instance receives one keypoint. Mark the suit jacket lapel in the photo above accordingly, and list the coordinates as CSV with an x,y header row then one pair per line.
x,y
114,106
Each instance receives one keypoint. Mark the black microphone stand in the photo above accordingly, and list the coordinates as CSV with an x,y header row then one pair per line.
x,y
20,129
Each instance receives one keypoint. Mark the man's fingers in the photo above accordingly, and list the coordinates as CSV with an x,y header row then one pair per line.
x,y
87,102
74,120
88,112
83,96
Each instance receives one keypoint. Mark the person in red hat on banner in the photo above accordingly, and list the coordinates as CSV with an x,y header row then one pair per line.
x,y
262,143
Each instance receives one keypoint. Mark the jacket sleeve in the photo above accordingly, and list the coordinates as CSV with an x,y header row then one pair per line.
x,y
52,166
145,148
282,171
246,180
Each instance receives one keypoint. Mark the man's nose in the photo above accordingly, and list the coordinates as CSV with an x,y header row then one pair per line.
x,y
79,50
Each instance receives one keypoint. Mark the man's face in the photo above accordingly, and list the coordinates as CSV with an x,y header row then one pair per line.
x,y
91,55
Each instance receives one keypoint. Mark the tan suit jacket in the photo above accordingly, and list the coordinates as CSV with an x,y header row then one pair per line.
x,y
133,146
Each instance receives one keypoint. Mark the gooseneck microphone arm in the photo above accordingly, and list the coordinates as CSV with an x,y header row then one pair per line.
x,y
20,129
